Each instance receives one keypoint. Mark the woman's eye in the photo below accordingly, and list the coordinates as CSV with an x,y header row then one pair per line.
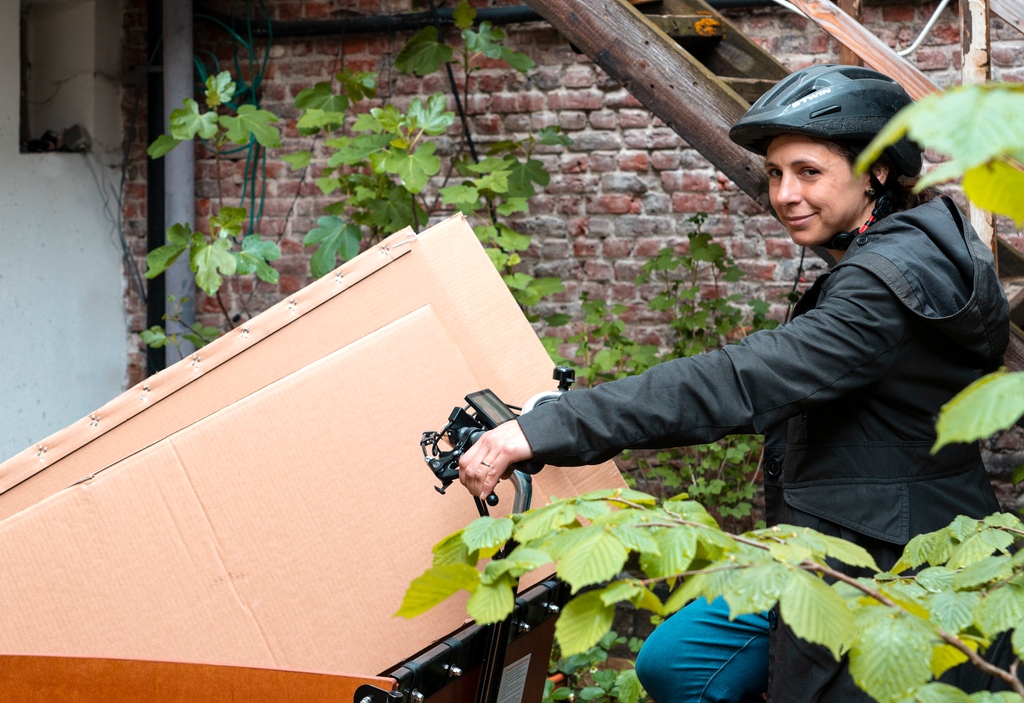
x,y
810,172
774,172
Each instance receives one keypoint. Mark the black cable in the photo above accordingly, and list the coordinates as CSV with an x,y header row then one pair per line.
x,y
796,282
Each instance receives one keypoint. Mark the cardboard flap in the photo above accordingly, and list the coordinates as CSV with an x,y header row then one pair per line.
x,y
269,504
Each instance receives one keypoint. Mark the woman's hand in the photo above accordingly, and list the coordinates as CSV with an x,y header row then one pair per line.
x,y
491,458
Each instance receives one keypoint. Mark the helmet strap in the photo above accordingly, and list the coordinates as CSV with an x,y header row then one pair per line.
x,y
883,206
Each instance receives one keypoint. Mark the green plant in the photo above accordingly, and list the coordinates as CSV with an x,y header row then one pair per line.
x,y
721,474
952,592
593,676
381,162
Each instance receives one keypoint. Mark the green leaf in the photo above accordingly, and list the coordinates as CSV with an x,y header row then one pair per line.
x,y
228,222
154,337
162,145
356,149
992,403
255,257
637,539
208,261
487,532
522,176
414,169
157,261
677,547
436,585
944,658
757,588
463,15
219,89
431,117
892,654
187,122
251,121
423,54
544,521
358,84
816,613
583,622
321,97
1017,640
979,573
928,548
1001,609
936,692
953,611
485,40
973,549
997,186
519,62
628,686
847,552
513,205
552,136
314,119
492,602
460,195
299,159
597,557
335,239
452,550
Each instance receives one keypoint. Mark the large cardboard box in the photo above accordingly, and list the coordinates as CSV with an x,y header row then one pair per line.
x,y
264,503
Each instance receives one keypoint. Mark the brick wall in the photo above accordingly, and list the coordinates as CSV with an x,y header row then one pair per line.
x,y
624,189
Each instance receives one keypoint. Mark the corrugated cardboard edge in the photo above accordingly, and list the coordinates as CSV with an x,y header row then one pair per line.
x,y
37,457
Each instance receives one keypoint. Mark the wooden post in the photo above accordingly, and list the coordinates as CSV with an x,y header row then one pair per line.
x,y
977,68
853,9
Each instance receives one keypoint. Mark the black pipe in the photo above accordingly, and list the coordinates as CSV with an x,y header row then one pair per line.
x,y
410,21
156,357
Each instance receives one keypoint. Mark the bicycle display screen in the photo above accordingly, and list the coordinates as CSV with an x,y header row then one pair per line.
x,y
489,408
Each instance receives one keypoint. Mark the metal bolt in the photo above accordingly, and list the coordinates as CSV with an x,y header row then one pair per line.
x,y
417,696
367,699
553,608
524,627
453,670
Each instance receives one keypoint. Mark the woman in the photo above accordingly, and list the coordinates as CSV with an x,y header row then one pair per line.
x,y
845,394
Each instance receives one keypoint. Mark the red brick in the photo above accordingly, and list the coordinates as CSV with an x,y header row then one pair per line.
x,y
617,248
633,161
579,77
899,13
779,248
586,247
611,203
758,270
575,100
664,160
597,270
694,202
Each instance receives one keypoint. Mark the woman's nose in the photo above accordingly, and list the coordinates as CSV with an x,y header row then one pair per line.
x,y
787,191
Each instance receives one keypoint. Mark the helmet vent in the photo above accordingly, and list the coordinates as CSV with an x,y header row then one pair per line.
x,y
830,110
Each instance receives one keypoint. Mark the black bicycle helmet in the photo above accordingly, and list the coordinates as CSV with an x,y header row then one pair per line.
x,y
839,103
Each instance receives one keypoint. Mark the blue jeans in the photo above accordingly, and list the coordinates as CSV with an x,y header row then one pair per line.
x,y
699,656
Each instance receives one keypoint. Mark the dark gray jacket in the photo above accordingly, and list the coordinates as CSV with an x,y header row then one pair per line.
x,y
846,395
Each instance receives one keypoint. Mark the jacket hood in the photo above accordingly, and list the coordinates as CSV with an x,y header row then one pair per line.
x,y
934,262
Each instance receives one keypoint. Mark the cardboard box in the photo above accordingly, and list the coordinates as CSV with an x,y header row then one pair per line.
x,y
265,502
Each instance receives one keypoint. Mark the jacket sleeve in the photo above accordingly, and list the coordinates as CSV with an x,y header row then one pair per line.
x,y
847,342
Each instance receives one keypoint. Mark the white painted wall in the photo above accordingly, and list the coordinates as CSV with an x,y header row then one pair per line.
x,y
63,328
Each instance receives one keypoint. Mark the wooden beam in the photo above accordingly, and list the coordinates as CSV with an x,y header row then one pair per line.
x,y
1012,11
853,9
659,73
874,51
977,68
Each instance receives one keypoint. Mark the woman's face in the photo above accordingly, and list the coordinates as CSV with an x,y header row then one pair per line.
x,y
814,191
